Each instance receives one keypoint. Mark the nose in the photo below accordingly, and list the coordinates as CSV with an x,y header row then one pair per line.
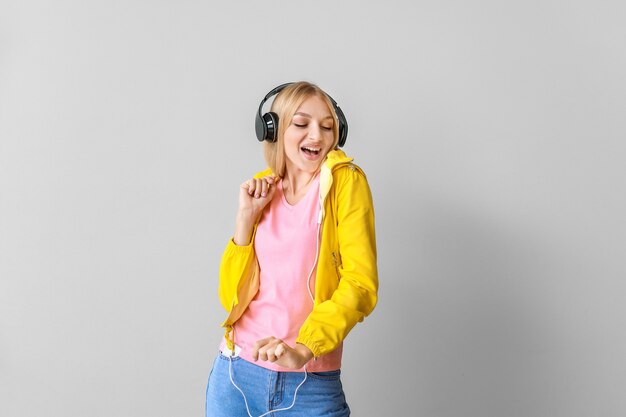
x,y
314,131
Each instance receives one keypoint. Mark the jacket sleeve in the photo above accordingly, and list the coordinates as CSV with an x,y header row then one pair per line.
x,y
235,263
356,294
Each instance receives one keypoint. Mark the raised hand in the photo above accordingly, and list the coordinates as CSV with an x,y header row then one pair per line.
x,y
254,195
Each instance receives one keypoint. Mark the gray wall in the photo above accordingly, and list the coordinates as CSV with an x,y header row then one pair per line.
x,y
492,134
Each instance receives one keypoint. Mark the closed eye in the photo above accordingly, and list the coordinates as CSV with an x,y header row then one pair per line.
x,y
301,125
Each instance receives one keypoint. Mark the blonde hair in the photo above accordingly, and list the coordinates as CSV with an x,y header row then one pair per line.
x,y
285,106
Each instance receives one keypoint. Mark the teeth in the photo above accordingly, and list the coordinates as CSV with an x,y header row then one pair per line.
x,y
311,149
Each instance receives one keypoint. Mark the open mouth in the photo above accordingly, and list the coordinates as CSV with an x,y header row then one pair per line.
x,y
311,151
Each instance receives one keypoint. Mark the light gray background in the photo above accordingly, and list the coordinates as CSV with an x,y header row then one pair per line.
x,y
492,133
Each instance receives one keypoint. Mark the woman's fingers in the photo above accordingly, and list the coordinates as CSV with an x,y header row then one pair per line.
x,y
258,345
258,187
268,349
249,186
254,196
265,185
263,189
280,349
253,187
272,349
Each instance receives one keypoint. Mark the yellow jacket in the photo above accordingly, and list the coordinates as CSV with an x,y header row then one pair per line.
x,y
346,283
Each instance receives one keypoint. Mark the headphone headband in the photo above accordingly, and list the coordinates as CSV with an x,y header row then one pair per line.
x,y
266,125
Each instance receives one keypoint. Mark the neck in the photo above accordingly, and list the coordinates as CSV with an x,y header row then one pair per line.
x,y
296,183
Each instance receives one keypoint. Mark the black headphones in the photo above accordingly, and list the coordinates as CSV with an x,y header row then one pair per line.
x,y
266,125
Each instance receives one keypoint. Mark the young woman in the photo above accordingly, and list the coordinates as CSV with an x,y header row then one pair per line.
x,y
300,270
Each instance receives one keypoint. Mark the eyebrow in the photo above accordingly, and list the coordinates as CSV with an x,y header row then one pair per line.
x,y
309,116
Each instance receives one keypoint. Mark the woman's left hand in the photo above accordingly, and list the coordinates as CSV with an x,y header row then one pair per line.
x,y
275,350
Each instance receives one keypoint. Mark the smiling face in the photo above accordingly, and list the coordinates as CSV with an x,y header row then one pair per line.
x,y
309,136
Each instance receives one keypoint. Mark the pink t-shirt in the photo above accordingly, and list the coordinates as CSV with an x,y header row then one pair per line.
x,y
285,246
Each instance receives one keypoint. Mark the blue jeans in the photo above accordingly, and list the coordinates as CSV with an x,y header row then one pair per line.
x,y
265,391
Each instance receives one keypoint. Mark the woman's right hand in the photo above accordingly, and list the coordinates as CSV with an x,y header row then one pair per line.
x,y
254,195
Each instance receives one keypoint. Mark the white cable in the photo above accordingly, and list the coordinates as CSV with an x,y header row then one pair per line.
x,y
308,287
317,251
230,374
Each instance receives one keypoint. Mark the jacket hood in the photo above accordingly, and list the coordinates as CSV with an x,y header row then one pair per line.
x,y
336,157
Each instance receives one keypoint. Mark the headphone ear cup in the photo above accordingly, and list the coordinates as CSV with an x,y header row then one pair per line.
x,y
270,123
343,127
343,134
259,128
266,127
